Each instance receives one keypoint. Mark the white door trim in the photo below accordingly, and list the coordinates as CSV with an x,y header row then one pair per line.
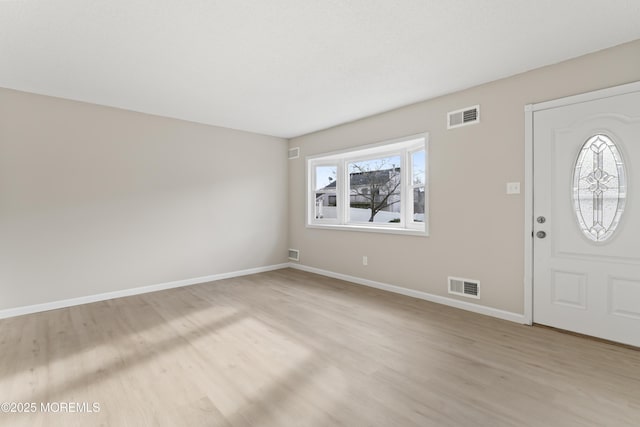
x,y
528,214
529,109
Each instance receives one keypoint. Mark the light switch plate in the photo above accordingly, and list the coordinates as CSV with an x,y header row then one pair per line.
x,y
513,188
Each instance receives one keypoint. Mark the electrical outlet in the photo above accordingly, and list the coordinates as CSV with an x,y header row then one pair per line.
x,y
365,260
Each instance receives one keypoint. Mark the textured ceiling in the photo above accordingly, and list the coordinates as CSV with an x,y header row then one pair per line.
x,y
290,67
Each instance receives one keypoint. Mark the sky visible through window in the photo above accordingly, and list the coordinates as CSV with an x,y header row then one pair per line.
x,y
323,173
418,166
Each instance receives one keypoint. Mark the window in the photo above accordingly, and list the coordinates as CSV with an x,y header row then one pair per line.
x,y
379,188
599,188
325,192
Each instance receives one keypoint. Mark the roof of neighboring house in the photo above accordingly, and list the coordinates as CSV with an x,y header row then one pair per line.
x,y
364,178
332,185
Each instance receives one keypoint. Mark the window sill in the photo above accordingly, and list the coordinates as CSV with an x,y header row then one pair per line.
x,y
385,230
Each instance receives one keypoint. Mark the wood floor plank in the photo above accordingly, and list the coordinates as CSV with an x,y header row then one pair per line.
x,y
290,348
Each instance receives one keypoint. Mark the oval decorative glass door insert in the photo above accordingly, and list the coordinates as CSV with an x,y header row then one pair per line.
x,y
599,188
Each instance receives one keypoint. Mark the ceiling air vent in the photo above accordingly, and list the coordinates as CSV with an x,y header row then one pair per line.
x,y
294,255
294,153
464,117
464,287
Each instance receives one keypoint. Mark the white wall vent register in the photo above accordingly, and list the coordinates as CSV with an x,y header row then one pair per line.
x,y
463,117
464,287
294,153
294,255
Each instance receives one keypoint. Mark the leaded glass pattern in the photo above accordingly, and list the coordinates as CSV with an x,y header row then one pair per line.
x,y
599,188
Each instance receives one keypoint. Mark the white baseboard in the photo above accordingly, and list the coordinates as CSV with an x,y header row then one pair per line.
x,y
476,308
469,306
36,308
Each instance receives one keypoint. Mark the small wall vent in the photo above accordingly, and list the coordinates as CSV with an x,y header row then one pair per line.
x,y
294,255
294,153
464,287
463,117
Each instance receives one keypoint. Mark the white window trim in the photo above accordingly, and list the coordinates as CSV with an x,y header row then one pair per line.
x,y
405,147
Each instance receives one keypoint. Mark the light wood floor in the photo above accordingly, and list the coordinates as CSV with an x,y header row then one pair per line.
x,y
289,348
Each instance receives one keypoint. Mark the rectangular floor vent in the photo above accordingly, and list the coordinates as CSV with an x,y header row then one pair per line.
x,y
463,117
294,153
294,255
464,287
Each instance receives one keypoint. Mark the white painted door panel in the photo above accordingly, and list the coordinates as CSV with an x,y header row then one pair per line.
x,y
586,286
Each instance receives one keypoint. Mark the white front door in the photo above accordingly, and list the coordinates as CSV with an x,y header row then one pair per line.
x,y
586,206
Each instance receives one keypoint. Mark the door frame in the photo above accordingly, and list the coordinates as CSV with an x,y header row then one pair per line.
x,y
529,111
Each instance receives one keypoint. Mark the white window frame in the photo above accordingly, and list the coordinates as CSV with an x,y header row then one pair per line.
x,y
312,201
403,147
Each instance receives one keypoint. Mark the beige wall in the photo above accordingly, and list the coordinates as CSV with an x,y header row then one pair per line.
x,y
476,229
96,199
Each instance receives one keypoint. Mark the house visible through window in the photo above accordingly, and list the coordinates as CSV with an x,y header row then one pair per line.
x,y
325,192
376,188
